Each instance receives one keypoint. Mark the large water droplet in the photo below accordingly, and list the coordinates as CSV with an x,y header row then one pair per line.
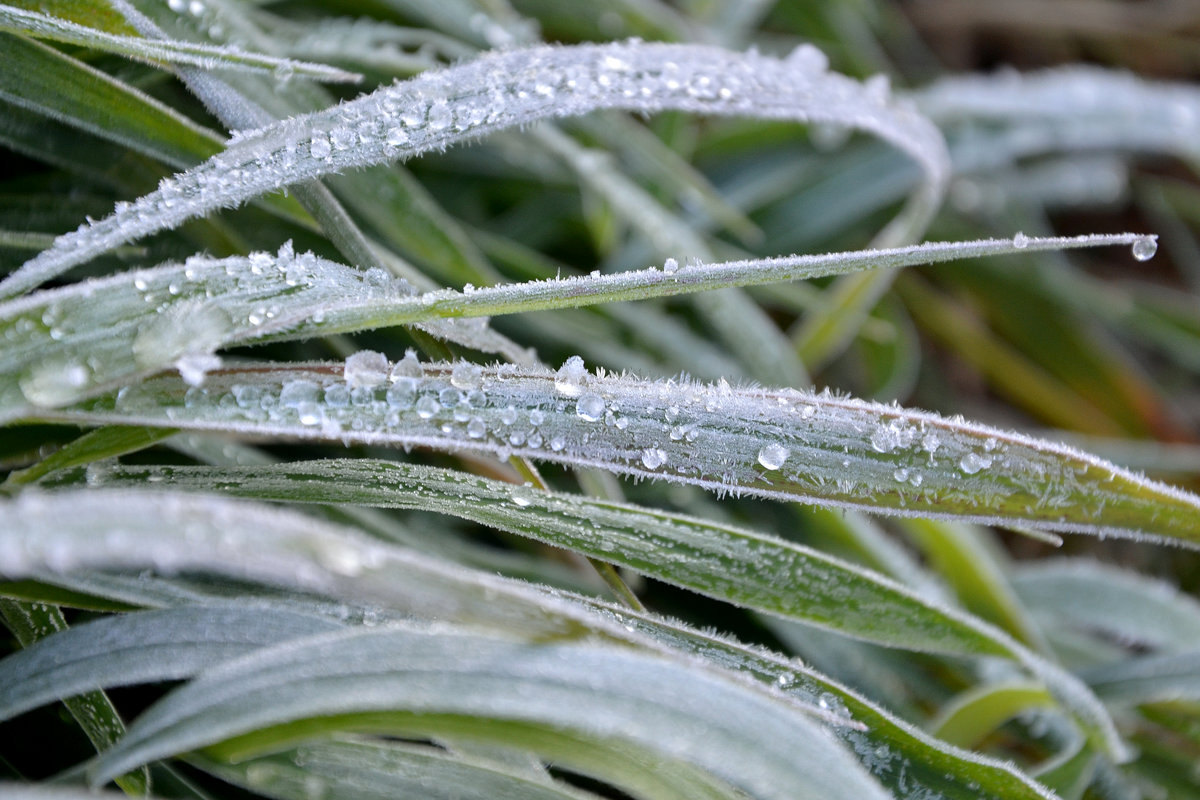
x,y
365,368
54,383
1020,240
427,406
294,393
653,458
570,377
773,456
973,462
590,406
1144,248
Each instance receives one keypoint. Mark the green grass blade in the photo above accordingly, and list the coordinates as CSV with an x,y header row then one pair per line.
x,y
43,26
144,647
92,446
970,717
589,693
736,565
41,79
180,314
349,769
424,114
30,622
775,443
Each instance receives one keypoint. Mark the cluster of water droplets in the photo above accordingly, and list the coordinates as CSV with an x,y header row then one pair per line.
x,y
501,90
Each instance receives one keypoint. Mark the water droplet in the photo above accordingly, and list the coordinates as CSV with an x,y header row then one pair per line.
x,y
365,368
569,379
772,456
54,383
296,392
396,137
1144,248
1020,241
476,428
973,462
440,116
337,395
466,376
807,58
536,417
319,146
408,367
342,138
402,394
653,458
590,407
310,413
427,406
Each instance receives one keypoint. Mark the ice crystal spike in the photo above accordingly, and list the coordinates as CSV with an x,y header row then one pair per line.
x,y
501,90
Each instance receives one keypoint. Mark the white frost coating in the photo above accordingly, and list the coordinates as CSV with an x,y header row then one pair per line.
x,y
1070,109
153,317
842,451
496,91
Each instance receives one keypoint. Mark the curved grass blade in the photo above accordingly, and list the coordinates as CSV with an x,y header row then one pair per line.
x,y
971,716
39,78
57,533
43,26
728,563
904,758
143,647
1166,677
92,446
92,710
497,91
180,314
565,694
775,443
354,769
1112,602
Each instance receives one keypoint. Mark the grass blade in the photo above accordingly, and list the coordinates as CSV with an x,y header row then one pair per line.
x,y
497,91
43,26
581,694
144,647
180,314
775,443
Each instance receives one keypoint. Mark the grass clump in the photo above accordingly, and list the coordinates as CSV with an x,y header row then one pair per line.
x,y
404,406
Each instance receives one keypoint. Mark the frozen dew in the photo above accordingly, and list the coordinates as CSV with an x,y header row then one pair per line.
x,y
319,146
1020,241
466,376
54,383
773,455
569,379
365,368
973,462
1144,247
396,137
537,417
808,59
427,406
402,394
590,406
296,393
653,458
192,367
337,395
440,116
670,266
408,367
310,413
476,428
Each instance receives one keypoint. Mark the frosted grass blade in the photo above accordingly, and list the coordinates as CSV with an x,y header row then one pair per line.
x,y
180,314
1117,603
775,443
501,90
900,755
564,694
143,647
360,769
43,26
740,566
57,533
